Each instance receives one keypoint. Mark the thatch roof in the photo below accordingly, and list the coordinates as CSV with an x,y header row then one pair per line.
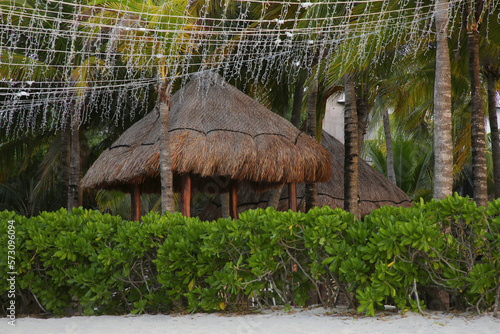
x,y
375,190
220,135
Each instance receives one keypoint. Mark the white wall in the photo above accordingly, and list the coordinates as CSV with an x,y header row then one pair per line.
x,y
333,123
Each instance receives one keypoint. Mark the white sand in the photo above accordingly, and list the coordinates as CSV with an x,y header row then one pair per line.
x,y
297,321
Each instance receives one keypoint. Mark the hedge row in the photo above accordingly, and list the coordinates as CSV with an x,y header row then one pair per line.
x,y
92,263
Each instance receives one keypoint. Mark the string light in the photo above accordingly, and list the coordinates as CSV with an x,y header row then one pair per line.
x,y
61,59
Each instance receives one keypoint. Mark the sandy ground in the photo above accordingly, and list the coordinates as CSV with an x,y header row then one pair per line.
x,y
316,320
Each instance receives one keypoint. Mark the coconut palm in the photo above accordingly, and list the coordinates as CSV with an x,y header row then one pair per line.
x,y
371,62
20,67
443,144
57,68
152,28
413,163
480,51
24,186
489,63
312,188
351,148
388,144
415,82
475,10
493,76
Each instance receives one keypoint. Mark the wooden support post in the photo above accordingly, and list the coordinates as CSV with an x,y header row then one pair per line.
x,y
135,197
186,195
233,201
224,200
292,196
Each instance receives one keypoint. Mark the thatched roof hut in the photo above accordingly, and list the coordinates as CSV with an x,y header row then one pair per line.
x,y
375,190
219,136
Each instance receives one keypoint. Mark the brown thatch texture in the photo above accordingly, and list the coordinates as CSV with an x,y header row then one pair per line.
x,y
375,190
216,131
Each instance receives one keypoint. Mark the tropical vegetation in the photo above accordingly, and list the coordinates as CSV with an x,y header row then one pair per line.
x,y
74,74
86,262
403,72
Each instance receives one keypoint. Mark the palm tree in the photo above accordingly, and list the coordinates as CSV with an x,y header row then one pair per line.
x,y
161,47
413,83
351,148
311,189
493,77
478,21
491,70
388,145
371,59
298,95
404,87
59,67
166,172
29,182
443,144
45,69
475,10
413,162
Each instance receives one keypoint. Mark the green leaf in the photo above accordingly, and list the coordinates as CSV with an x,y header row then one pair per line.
x,y
191,285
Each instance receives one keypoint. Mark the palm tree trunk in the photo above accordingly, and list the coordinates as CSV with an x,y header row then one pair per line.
x,y
74,167
224,200
351,157
167,193
65,163
362,112
443,144
274,198
495,139
478,144
311,189
388,148
298,96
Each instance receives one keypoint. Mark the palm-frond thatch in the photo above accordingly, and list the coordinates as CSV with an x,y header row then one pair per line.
x,y
219,135
375,190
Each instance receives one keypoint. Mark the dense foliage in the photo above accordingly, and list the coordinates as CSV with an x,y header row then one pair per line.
x,y
94,263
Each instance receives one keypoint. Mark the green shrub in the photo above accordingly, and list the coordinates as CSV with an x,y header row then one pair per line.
x,y
93,263
449,244
86,262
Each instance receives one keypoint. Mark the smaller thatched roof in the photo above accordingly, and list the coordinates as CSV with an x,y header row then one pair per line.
x,y
375,190
220,135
